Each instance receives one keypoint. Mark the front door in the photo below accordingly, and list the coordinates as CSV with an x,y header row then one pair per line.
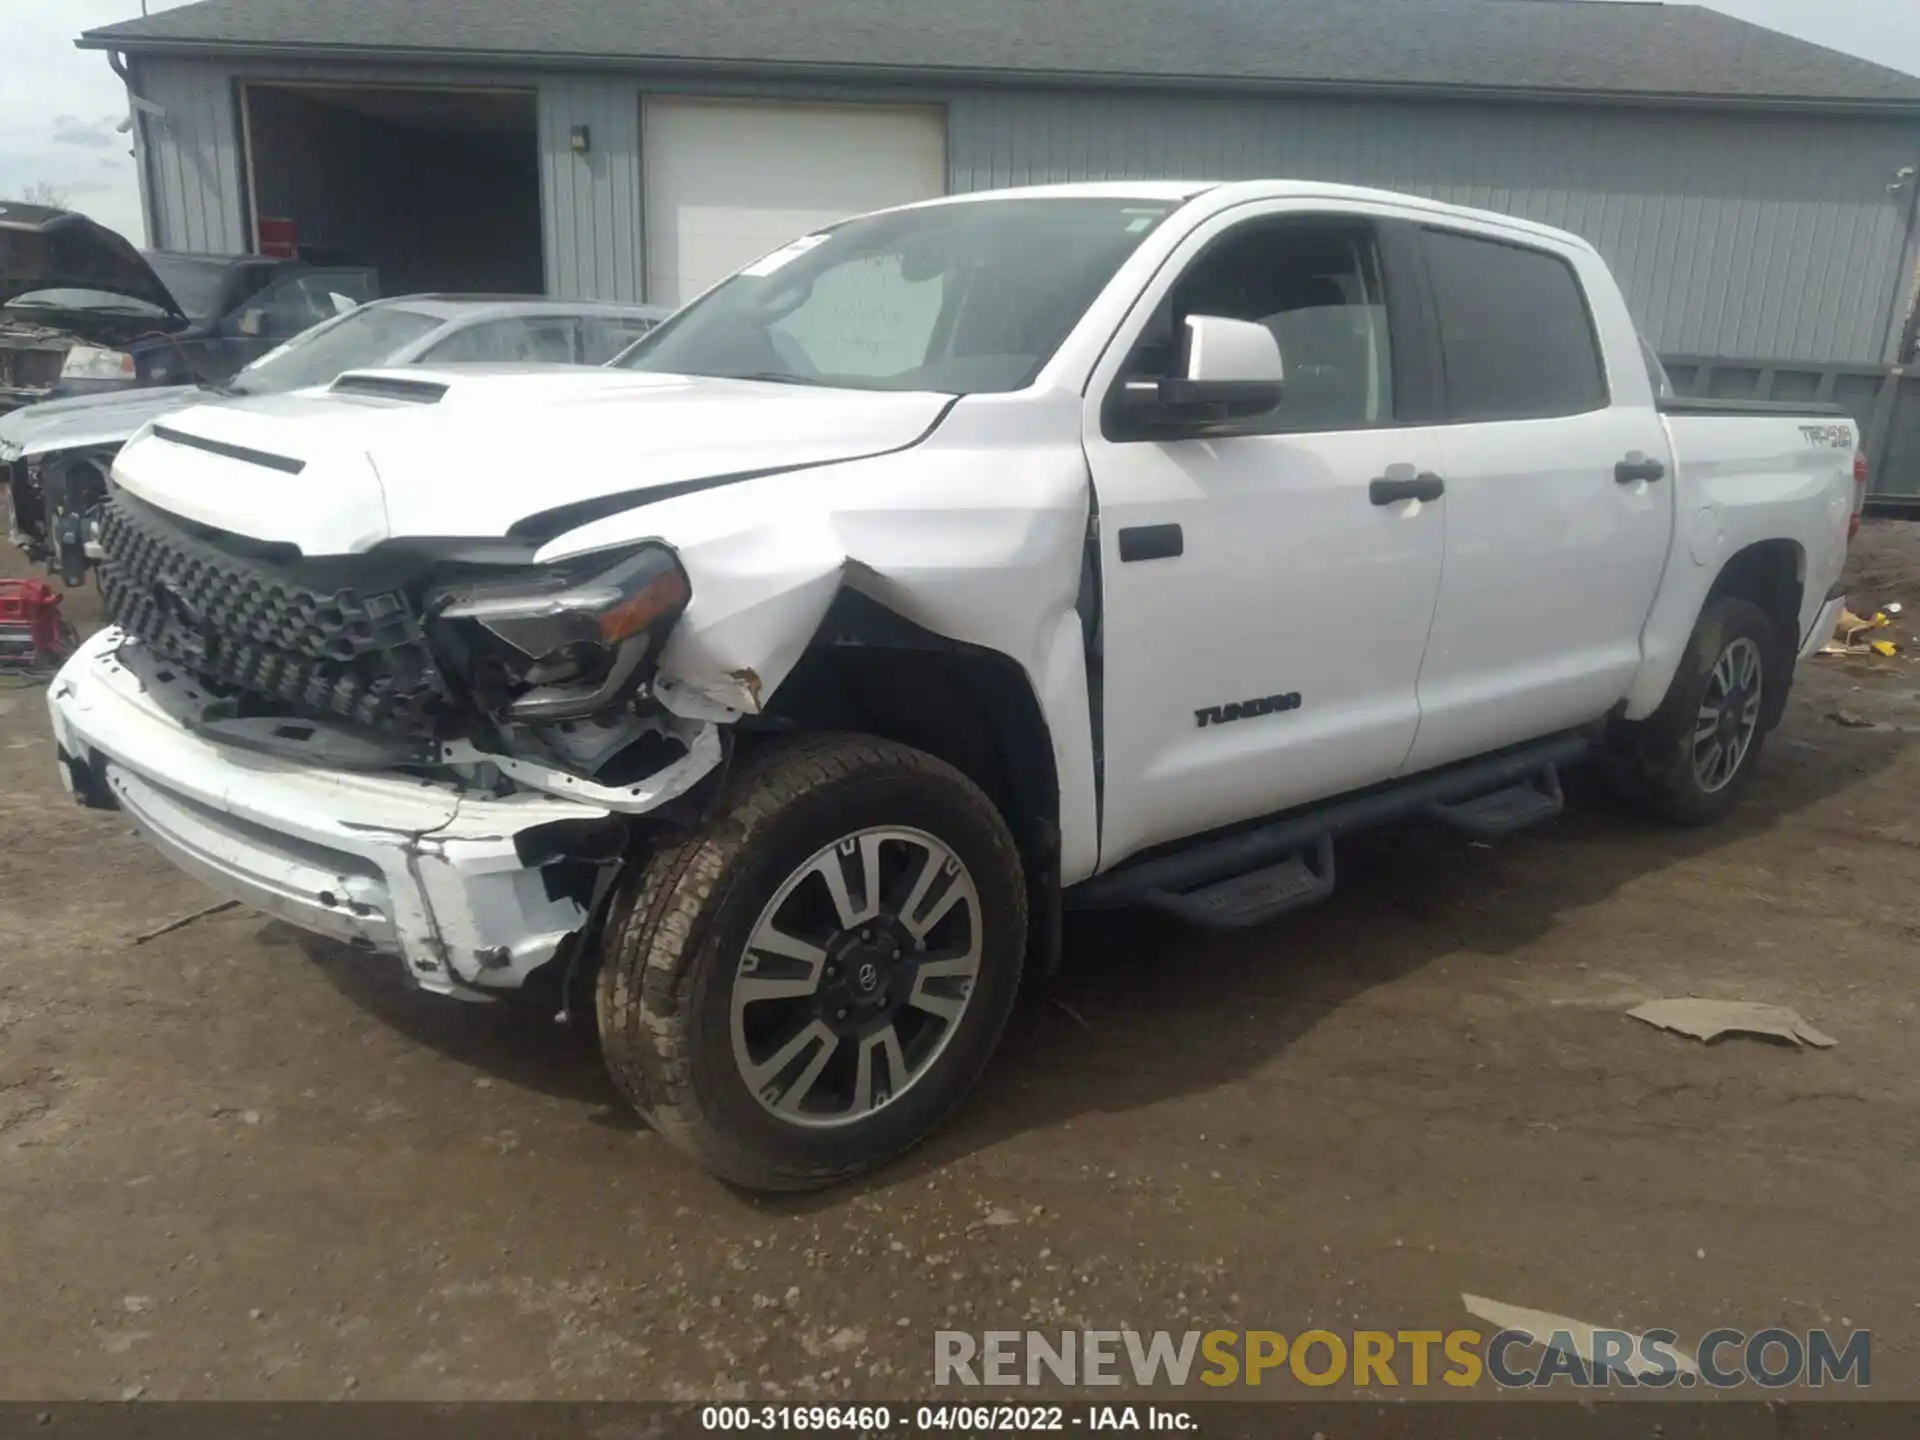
x,y
1264,611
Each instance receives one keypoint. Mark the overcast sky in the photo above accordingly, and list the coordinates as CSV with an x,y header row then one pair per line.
x,y
59,106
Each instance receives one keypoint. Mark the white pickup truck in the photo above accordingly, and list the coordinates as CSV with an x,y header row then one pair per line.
x,y
1071,547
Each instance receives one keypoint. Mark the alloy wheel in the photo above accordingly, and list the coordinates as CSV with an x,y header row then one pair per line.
x,y
855,976
1729,715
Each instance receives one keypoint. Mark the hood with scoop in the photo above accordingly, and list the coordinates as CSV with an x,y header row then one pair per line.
x,y
491,451
47,249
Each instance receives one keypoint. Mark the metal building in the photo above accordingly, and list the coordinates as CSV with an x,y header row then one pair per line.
x,y
1757,195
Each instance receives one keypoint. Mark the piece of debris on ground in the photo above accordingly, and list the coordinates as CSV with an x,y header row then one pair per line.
x,y
1568,1336
1710,1019
1850,635
185,920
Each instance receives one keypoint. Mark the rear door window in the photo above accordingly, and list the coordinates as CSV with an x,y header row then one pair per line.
x,y
545,339
1515,331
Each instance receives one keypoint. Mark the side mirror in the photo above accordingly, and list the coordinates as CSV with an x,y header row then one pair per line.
x,y
1234,371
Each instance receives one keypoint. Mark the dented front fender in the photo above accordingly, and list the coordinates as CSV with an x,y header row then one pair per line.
x,y
966,535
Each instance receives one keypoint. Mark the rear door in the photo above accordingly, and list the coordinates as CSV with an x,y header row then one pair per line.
x,y
1559,505
1263,609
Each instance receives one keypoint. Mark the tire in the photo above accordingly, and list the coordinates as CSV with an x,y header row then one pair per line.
x,y
699,1055
1665,764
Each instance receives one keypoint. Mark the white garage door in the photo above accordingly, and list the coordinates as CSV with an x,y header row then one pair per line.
x,y
728,181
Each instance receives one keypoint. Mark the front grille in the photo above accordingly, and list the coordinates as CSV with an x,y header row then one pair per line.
x,y
339,651
25,369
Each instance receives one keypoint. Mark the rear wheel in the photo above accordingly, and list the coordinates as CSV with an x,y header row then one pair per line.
x,y
806,987
1692,759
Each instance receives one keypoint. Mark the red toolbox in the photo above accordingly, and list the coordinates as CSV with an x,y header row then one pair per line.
x,y
33,634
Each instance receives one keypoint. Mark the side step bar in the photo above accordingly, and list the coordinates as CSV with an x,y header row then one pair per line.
x,y
1250,876
1257,896
1500,813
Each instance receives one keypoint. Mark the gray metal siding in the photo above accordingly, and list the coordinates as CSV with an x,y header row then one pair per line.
x,y
193,156
1732,235
592,220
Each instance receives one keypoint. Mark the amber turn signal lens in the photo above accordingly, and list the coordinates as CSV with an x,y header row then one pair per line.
x,y
658,596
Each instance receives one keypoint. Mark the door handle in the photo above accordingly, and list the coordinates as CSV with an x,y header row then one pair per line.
x,y
1151,542
1638,467
1424,486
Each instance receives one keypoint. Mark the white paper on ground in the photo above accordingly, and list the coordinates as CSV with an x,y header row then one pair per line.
x,y
1563,1333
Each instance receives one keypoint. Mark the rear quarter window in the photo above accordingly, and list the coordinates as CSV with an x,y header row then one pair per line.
x,y
1516,335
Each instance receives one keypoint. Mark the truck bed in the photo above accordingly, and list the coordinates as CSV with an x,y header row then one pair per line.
x,y
1700,405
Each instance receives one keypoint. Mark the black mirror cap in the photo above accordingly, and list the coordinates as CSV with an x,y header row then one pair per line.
x,y
1237,398
1176,408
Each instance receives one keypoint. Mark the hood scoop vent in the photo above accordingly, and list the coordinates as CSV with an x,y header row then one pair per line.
x,y
390,387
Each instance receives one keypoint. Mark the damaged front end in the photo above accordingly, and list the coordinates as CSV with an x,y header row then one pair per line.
x,y
438,751
55,506
411,656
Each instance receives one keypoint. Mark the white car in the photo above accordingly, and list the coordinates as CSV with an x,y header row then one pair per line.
x,y
1102,545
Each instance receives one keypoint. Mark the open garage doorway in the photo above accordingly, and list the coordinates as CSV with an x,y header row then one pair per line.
x,y
438,189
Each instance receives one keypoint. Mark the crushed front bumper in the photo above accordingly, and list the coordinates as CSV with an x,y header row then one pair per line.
x,y
473,891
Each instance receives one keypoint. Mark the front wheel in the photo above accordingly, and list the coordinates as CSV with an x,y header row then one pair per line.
x,y
1692,759
807,986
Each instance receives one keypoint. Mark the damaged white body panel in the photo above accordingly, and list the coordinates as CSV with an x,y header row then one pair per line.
x,y
975,532
970,536
423,870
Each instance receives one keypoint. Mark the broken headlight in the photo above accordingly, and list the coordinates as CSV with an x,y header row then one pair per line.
x,y
561,642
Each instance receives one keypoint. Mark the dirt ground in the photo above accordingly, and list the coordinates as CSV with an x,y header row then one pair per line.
x,y
234,1163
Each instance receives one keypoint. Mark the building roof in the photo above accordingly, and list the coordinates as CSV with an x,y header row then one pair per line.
x,y
1564,48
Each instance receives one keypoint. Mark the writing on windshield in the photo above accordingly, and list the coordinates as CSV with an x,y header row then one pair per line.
x,y
965,298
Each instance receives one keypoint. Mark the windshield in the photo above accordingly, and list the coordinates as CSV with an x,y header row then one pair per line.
x,y
83,300
368,336
968,298
194,281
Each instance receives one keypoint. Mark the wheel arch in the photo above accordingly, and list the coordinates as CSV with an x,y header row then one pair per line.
x,y
1771,572
1772,575
871,670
